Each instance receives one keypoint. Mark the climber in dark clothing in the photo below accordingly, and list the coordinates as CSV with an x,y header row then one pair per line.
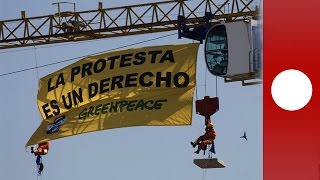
x,y
42,149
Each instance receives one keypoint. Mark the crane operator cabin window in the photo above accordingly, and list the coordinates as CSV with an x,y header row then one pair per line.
x,y
216,50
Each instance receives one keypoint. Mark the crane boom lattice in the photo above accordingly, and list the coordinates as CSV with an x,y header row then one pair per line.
x,y
115,22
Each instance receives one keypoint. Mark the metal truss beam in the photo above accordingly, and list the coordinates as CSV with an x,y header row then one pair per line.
x,y
115,22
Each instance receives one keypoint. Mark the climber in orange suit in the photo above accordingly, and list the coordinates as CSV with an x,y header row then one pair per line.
x,y
205,139
42,149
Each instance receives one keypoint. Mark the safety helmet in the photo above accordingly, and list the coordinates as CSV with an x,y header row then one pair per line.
x,y
45,151
209,125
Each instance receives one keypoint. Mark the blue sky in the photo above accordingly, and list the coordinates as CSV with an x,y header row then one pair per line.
x,y
155,153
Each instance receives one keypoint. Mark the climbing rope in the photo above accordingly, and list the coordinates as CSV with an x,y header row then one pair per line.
x,y
39,176
205,83
36,61
216,86
204,172
196,92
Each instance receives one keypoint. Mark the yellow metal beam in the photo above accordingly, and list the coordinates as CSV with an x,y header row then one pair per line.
x,y
115,22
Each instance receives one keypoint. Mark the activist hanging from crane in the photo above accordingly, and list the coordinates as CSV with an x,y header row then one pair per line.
x,y
207,107
42,150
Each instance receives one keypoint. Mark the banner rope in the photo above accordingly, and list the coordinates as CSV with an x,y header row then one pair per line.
x,y
37,69
66,60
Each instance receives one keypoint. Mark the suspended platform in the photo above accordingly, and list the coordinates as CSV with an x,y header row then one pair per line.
x,y
209,163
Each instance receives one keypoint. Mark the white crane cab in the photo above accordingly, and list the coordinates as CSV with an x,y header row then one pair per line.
x,y
233,51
